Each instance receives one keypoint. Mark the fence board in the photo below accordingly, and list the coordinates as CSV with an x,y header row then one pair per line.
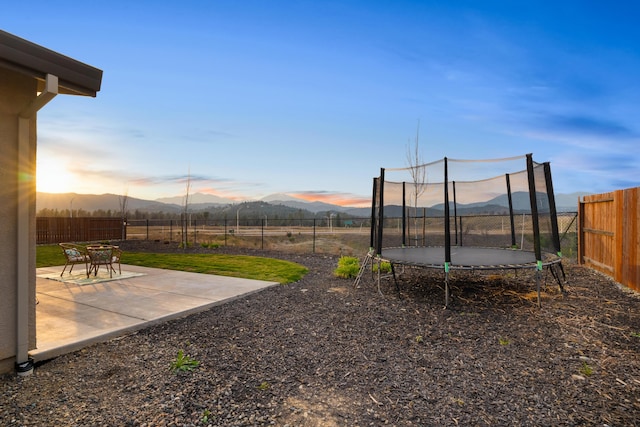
x,y
608,235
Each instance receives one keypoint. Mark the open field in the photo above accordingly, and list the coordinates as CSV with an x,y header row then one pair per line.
x,y
345,241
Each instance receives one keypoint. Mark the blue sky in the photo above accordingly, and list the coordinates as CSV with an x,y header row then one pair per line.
x,y
312,98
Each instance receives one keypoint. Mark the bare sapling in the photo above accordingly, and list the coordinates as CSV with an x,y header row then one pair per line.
x,y
418,177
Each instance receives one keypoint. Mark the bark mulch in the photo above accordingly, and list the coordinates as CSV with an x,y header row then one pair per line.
x,y
321,352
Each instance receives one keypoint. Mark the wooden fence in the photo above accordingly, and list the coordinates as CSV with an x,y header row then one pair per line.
x,y
57,230
608,238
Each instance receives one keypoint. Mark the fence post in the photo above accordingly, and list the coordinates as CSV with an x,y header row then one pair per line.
x,y
314,235
580,232
195,232
225,231
620,213
424,226
147,220
262,231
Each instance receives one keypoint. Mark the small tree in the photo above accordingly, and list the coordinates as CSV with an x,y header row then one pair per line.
x,y
418,176
123,200
185,213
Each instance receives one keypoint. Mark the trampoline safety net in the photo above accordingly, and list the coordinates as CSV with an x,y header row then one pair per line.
x,y
487,213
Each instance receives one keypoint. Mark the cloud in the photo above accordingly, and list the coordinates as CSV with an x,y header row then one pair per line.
x,y
594,172
581,124
181,179
334,198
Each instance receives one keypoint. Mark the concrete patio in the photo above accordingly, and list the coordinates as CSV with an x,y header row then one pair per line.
x,y
71,316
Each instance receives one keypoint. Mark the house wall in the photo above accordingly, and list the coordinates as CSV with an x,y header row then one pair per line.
x,y
16,92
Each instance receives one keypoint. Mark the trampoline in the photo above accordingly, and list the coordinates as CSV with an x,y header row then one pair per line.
x,y
495,214
465,258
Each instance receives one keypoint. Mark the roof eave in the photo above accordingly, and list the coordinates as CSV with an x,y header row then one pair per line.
x,y
74,77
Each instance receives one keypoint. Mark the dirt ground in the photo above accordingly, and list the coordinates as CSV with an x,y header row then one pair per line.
x,y
322,352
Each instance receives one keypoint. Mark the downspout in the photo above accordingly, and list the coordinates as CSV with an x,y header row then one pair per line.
x,y
24,365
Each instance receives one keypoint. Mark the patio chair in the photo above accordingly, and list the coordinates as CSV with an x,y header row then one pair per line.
x,y
74,254
100,255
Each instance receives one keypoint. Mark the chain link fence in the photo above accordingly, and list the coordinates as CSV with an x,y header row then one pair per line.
x,y
351,236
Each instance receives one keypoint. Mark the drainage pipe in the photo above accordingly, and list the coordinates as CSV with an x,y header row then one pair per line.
x,y
26,186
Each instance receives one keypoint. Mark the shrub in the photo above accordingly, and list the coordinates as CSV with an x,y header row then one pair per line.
x,y
348,267
384,266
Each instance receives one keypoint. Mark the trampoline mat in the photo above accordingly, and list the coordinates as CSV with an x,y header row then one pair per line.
x,y
464,257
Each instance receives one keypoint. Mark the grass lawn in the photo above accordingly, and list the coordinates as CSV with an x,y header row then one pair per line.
x,y
246,267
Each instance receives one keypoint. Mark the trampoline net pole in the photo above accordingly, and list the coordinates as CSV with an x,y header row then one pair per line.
x,y
404,214
380,211
552,208
534,209
373,214
455,213
447,225
513,227
423,218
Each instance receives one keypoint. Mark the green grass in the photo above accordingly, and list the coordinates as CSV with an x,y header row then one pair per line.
x,y
48,255
243,266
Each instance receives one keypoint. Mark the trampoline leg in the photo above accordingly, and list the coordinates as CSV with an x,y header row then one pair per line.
x,y
557,276
395,280
379,289
538,274
363,267
446,289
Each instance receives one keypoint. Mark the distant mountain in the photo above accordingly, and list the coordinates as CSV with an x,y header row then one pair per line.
x,y
279,198
520,201
569,202
314,207
94,202
197,199
360,212
564,202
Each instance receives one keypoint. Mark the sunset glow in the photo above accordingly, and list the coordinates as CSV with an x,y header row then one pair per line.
x,y
53,177
333,198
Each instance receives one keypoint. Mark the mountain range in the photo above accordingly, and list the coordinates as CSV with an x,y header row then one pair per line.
x,y
197,202
202,202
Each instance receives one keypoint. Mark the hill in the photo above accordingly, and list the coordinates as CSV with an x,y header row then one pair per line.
x,y
97,202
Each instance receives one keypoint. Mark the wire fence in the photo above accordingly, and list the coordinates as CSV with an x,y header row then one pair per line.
x,y
344,236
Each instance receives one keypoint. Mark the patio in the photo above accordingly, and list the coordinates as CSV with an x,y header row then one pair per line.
x,y
76,313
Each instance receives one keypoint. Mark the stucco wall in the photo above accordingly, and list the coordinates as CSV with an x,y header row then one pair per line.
x,y
16,92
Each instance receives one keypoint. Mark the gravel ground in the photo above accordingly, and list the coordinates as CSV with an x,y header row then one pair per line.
x,y
321,352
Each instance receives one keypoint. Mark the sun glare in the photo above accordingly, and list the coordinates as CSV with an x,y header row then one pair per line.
x,y
53,177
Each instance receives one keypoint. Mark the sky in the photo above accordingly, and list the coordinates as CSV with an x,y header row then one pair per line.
x,y
243,99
